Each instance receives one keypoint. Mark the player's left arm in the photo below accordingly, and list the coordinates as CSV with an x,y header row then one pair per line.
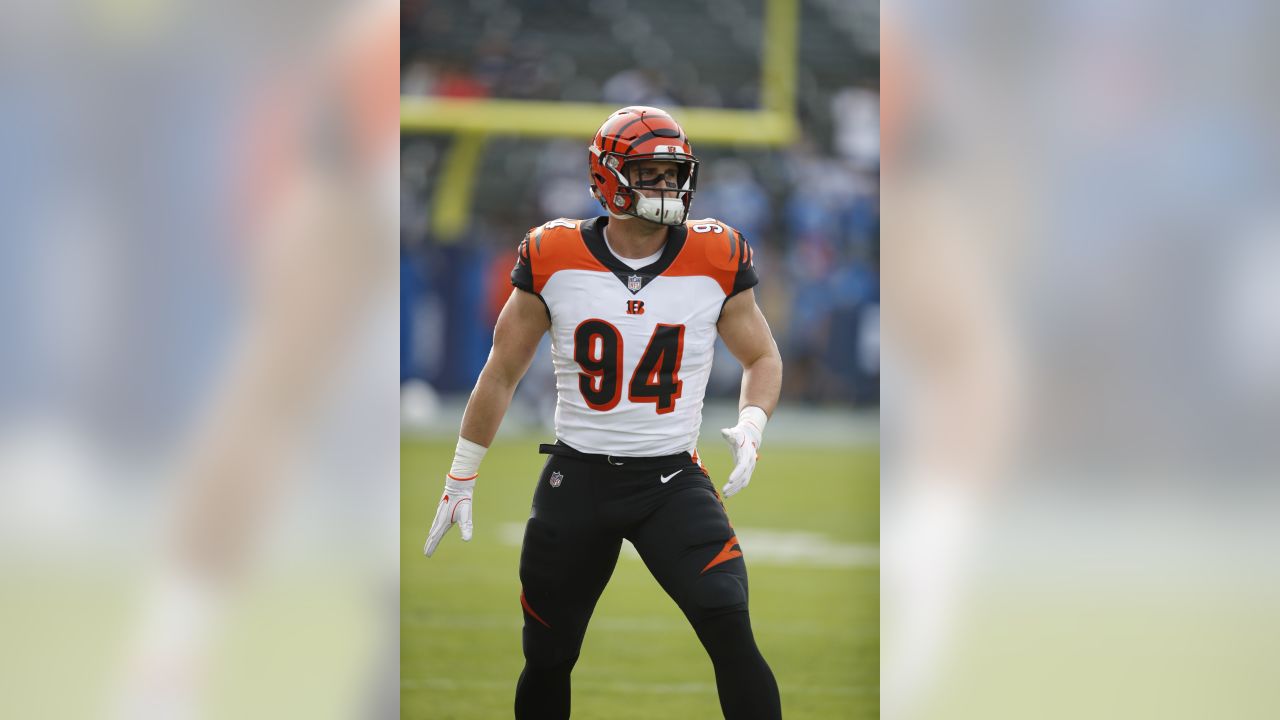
x,y
746,333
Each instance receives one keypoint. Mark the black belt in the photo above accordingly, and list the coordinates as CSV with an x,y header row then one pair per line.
x,y
635,463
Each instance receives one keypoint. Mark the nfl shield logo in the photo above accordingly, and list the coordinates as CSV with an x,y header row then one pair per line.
x,y
556,477
633,283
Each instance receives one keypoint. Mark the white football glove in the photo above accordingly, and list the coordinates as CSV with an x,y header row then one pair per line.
x,y
454,509
455,505
744,441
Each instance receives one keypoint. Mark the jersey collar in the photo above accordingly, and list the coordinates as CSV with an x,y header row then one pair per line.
x,y
633,280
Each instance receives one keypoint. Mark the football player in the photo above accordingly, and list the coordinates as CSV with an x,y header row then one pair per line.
x,y
634,301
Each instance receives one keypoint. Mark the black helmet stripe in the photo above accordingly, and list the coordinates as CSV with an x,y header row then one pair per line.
x,y
654,134
617,134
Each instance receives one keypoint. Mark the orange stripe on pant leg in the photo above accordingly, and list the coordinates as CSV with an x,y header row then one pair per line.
x,y
525,604
726,554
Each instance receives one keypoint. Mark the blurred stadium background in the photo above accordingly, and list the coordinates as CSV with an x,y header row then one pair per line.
x,y
781,101
1092,203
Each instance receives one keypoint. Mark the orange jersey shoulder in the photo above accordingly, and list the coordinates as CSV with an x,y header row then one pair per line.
x,y
713,249
551,247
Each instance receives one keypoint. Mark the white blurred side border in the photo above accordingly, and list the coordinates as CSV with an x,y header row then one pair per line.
x,y
1081,375
198,394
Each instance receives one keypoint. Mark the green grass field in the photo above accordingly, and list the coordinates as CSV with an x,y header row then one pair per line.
x,y
814,594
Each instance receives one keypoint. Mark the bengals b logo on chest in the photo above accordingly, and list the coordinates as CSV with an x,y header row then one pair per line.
x,y
635,307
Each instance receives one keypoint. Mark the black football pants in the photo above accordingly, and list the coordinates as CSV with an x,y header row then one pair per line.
x,y
583,508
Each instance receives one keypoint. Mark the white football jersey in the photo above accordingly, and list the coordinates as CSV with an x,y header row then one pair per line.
x,y
632,348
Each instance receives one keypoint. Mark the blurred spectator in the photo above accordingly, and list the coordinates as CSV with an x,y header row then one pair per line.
x,y
727,189
493,61
563,182
638,87
418,79
856,112
456,80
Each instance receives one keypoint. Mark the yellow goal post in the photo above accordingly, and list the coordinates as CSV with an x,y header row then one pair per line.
x,y
473,121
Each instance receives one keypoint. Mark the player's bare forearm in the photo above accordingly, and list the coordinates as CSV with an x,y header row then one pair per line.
x,y
761,383
520,326
485,409
746,333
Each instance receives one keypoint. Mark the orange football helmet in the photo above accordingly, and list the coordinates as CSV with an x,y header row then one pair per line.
x,y
642,133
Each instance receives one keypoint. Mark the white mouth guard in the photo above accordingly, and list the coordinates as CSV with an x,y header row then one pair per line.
x,y
667,211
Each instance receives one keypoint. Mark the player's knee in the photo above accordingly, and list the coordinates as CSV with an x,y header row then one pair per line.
x,y
544,649
550,657
719,592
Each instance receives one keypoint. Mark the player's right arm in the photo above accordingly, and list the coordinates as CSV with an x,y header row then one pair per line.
x,y
520,326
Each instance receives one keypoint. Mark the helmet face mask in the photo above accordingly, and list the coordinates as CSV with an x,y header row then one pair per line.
x,y
629,138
